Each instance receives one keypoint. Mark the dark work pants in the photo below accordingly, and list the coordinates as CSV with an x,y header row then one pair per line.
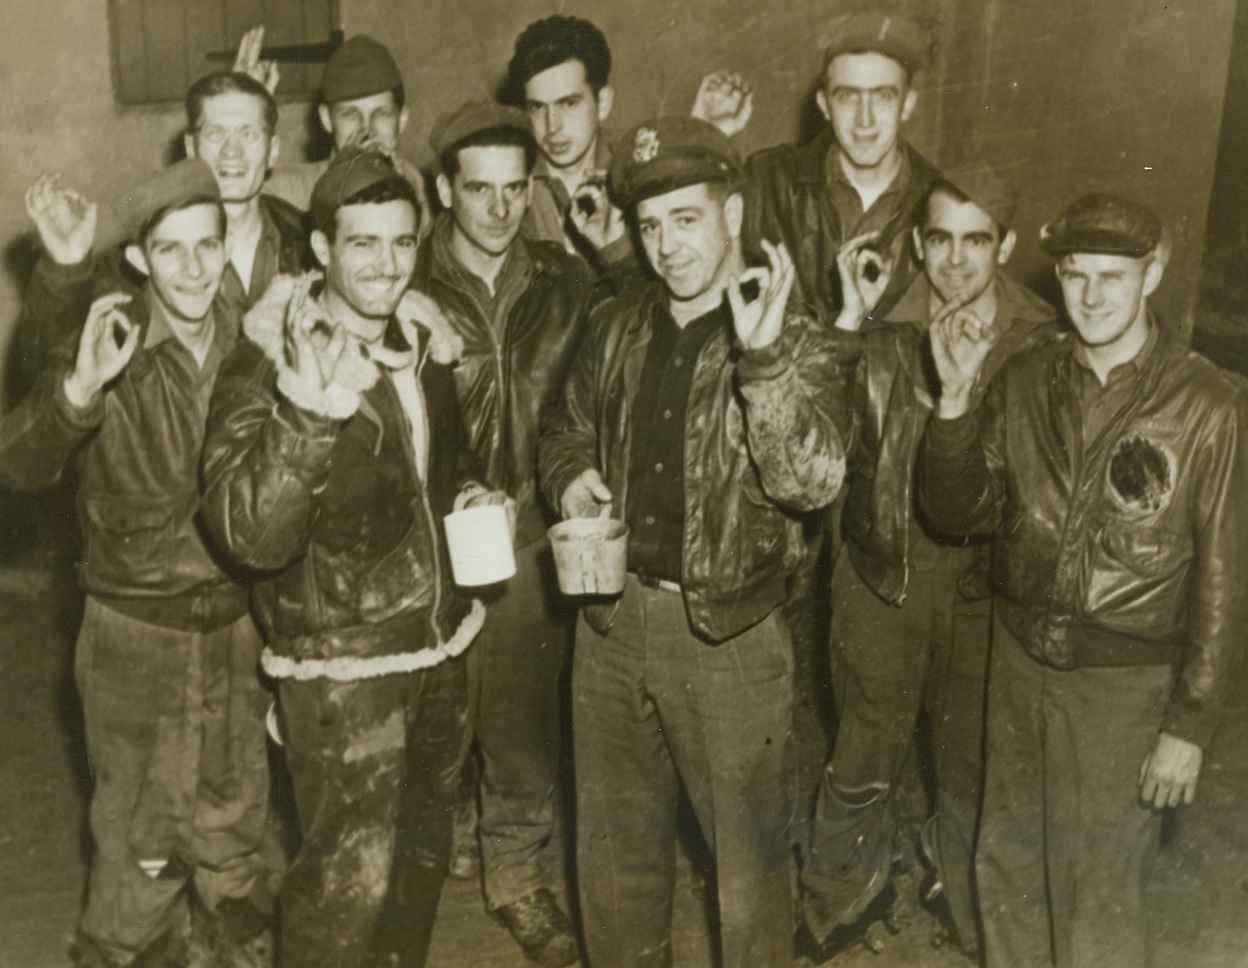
x,y
654,707
518,663
373,764
933,650
175,734
1065,846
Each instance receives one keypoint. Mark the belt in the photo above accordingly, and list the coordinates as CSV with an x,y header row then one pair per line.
x,y
661,583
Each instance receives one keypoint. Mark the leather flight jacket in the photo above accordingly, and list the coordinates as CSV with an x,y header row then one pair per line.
x,y
505,380
888,364
320,496
1131,549
762,444
787,200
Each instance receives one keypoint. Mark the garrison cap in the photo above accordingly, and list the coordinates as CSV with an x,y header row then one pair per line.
x,y
665,154
351,171
986,188
877,31
1103,222
360,67
188,179
473,117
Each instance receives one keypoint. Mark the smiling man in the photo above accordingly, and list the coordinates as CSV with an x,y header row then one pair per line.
x,y
519,306
704,422
334,447
166,658
1110,465
909,623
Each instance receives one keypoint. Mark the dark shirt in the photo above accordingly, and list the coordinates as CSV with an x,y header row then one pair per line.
x,y
1098,404
884,210
656,478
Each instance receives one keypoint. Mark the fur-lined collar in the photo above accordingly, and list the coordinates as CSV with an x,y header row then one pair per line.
x,y
419,318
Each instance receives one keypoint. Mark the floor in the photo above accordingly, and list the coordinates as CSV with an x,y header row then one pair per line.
x,y
1200,894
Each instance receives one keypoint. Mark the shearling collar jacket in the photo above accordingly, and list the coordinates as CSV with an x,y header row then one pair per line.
x,y
320,495
761,445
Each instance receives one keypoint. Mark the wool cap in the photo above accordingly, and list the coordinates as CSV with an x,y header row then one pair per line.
x,y
360,67
471,118
352,170
878,31
188,179
986,188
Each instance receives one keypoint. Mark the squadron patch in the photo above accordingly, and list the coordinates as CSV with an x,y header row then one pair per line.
x,y
645,145
1141,475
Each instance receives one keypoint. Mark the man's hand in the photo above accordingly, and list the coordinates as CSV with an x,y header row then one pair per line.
x,y
598,221
864,274
106,344
960,344
1169,771
313,345
726,100
758,324
586,497
248,61
64,218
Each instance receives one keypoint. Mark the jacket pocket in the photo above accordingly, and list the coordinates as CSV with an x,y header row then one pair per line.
x,y
402,580
128,544
1136,578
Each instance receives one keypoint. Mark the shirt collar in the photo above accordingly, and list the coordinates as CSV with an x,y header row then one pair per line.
x,y
1131,366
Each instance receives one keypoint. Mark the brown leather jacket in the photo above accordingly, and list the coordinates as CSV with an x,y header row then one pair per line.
x,y
761,444
137,457
1131,550
787,200
506,379
888,365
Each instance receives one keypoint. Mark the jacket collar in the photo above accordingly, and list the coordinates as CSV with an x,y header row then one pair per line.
x,y
444,264
1015,303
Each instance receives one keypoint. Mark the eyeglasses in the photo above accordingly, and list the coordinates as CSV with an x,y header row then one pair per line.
x,y
248,134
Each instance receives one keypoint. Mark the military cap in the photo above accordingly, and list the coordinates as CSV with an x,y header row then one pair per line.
x,y
360,67
878,31
1103,222
351,171
986,188
665,154
472,117
186,180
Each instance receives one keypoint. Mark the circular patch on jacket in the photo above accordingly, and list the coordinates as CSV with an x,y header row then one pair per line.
x,y
1141,475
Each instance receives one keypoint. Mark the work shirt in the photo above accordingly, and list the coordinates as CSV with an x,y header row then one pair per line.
x,y
1098,404
235,298
884,211
656,484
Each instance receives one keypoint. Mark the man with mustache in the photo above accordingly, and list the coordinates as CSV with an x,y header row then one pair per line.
x,y
334,448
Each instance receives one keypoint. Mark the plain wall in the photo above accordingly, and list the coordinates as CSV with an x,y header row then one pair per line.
x,y
1063,96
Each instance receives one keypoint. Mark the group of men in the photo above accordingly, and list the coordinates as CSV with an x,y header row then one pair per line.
x,y
272,402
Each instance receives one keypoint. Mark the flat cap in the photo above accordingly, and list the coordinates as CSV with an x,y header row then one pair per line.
x,y
188,179
352,170
472,117
360,67
1103,222
878,31
986,188
665,154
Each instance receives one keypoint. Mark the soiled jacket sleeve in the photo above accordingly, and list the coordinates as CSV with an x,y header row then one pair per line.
x,y
797,417
569,443
961,470
1218,604
265,460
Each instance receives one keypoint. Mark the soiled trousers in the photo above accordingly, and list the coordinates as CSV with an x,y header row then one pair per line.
x,y
654,706
1065,846
175,735
931,651
373,764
